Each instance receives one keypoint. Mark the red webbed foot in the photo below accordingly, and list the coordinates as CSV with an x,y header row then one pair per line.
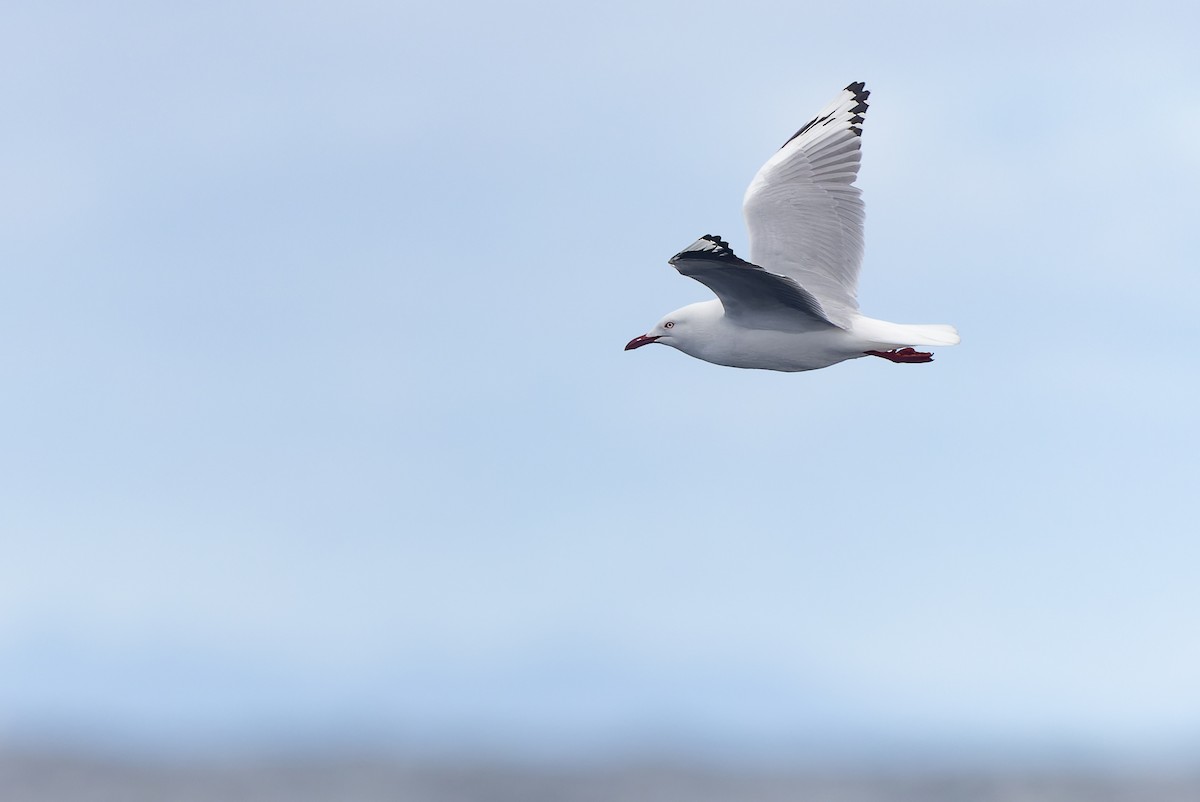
x,y
903,355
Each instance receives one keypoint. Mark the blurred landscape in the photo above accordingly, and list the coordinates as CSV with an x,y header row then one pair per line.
x,y
61,778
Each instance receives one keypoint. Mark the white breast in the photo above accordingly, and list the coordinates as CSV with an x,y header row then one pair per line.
x,y
739,347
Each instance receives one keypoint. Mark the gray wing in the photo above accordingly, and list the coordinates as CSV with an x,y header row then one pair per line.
x,y
803,211
752,296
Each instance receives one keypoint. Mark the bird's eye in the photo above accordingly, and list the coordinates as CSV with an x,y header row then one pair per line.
x,y
670,324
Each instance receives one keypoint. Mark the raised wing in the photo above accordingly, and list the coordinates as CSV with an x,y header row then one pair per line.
x,y
751,295
803,211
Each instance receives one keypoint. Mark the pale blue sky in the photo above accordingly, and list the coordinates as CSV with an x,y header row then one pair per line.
x,y
317,422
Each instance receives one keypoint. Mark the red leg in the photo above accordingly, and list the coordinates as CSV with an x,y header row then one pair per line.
x,y
908,355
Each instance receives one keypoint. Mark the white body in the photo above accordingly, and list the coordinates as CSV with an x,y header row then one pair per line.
x,y
713,337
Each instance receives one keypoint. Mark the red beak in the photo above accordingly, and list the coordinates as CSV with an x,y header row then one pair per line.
x,y
638,342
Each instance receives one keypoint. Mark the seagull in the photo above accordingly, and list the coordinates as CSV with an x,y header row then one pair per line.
x,y
793,306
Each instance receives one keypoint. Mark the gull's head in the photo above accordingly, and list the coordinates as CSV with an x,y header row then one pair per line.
x,y
674,329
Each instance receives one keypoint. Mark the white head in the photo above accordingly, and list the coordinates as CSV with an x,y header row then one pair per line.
x,y
681,328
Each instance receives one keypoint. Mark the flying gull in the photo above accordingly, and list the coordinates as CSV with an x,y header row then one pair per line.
x,y
793,306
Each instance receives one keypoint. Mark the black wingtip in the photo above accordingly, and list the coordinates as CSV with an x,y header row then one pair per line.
x,y
859,89
710,246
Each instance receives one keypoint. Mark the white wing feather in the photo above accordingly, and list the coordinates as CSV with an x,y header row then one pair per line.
x,y
804,214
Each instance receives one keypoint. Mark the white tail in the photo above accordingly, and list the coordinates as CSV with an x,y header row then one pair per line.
x,y
892,334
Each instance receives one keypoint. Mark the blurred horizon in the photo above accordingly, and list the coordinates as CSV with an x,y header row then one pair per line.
x,y
566,708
